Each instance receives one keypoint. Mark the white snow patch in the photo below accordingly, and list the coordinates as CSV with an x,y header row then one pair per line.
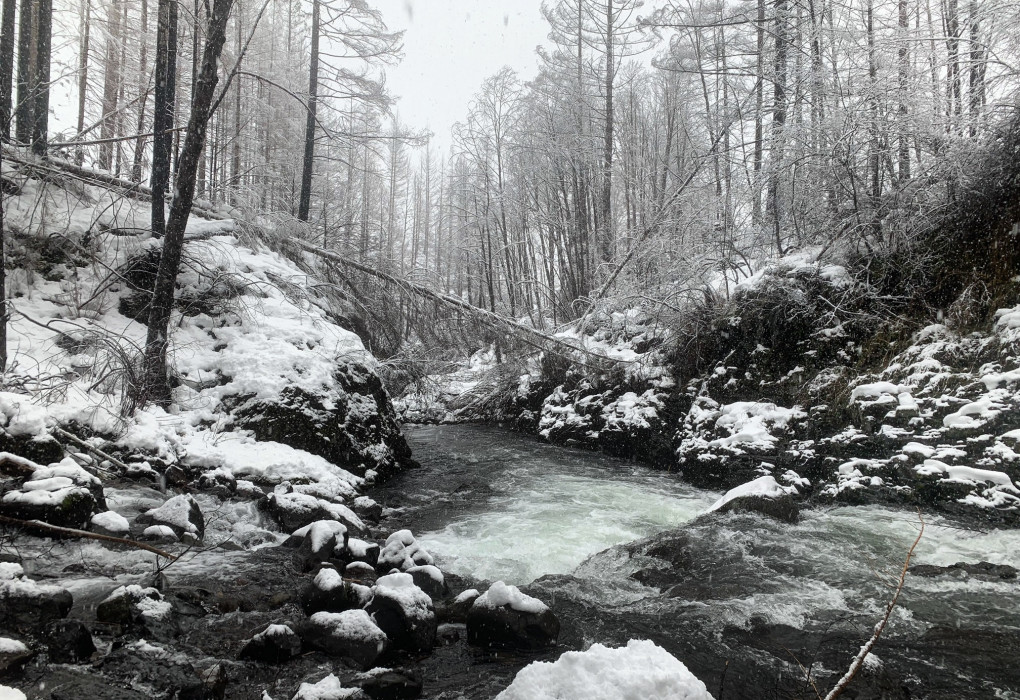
x,y
763,486
641,670
501,595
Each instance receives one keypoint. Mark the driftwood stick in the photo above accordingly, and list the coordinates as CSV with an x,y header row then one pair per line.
x,y
82,534
91,448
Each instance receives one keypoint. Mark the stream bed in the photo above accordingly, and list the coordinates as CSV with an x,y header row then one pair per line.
x,y
756,608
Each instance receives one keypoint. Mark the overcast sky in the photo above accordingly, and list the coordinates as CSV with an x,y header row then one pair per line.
x,y
450,47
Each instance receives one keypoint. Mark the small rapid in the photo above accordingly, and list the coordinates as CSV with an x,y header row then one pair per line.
x,y
744,600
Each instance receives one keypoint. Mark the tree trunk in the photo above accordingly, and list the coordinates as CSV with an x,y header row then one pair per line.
x,y
163,111
83,74
904,96
143,89
607,146
305,201
111,83
41,77
778,123
156,384
26,68
759,108
7,25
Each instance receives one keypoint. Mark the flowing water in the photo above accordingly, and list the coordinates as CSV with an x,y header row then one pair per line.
x,y
750,604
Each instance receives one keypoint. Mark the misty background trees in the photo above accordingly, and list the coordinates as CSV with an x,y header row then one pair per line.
x,y
659,145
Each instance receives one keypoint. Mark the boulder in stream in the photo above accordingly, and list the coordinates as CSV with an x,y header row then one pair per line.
x,y
27,605
404,612
181,514
275,644
351,634
503,617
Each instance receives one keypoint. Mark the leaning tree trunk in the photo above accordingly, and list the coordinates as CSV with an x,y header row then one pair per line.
x,y
156,384
304,204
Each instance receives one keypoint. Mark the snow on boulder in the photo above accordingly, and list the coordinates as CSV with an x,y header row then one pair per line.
x,y
402,552
275,644
351,634
329,591
134,605
62,494
639,671
13,655
8,693
329,688
316,542
763,495
294,510
505,617
110,523
25,604
181,514
404,611
430,579
355,550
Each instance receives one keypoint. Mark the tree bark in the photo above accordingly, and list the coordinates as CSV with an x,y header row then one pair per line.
x,y
163,111
143,87
313,84
111,83
26,68
7,25
83,74
607,146
156,384
41,77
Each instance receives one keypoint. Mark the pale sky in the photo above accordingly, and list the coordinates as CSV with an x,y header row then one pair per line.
x,y
450,47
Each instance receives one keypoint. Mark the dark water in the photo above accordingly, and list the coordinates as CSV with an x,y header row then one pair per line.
x,y
756,608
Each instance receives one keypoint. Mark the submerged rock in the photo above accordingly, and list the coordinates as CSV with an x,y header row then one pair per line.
x,y
503,617
983,570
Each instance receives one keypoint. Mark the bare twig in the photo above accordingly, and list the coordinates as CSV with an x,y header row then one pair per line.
x,y
855,666
83,534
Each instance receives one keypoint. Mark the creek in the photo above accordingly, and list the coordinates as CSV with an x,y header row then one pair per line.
x,y
755,607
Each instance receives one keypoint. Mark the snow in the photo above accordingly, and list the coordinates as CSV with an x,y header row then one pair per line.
x,y
303,503
175,512
351,624
320,532
501,595
275,631
764,487
112,522
876,390
748,422
330,579
400,588
12,646
10,571
403,551
159,532
329,688
469,594
641,670
8,693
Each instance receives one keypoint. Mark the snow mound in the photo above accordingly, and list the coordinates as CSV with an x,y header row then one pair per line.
x,y
764,487
500,595
639,671
329,688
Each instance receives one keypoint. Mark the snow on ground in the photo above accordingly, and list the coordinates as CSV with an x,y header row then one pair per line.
x,y
641,670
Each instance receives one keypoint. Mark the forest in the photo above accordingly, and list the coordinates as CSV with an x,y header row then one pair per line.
x,y
685,364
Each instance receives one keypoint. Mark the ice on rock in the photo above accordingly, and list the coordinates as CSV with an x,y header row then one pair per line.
x,y
639,671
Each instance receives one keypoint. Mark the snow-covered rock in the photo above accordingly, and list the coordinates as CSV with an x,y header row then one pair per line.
x,y
402,551
25,604
505,617
61,494
275,644
110,523
182,514
763,495
295,510
330,592
144,607
351,634
13,655
329,688
404,611
641,670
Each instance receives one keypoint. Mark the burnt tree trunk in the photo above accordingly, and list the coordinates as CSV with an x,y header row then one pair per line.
x,y
156,384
